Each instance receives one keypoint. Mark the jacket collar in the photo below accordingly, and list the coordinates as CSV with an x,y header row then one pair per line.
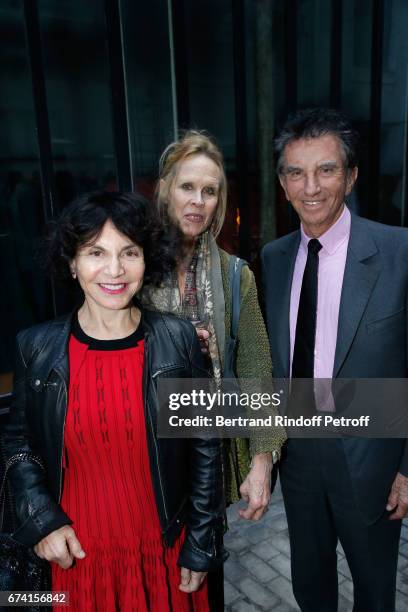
x,y
52,349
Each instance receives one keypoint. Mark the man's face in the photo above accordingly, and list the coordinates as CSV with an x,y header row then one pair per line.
x,y
316,181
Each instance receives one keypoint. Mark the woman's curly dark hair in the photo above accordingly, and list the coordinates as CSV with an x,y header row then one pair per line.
x,y
81,222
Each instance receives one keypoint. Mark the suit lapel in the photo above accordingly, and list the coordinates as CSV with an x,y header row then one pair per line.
x,y
283,290
360,277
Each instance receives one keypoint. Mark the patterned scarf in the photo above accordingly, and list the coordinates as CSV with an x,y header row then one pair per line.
x,y
203,297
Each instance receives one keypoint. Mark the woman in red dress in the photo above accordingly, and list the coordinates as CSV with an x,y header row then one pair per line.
x,y
128,521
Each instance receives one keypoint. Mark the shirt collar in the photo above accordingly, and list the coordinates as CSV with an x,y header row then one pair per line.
x,y
334,237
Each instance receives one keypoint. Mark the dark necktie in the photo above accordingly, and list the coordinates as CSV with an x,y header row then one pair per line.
x,y
303,353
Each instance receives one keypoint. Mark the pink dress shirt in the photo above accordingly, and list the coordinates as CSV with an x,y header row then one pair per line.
x,y
332,261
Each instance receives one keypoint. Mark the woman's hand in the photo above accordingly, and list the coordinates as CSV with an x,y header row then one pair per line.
x,y
60,546
191,581
256,488
203,335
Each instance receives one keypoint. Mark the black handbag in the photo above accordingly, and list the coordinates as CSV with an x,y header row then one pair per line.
x,y
20,568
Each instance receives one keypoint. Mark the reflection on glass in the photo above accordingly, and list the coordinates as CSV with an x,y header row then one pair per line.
x,y
78,96
26,295
210,73
148,86
394,112
209,40
313,52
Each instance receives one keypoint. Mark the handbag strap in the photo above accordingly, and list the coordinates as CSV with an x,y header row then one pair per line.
x,y
9,463
235,266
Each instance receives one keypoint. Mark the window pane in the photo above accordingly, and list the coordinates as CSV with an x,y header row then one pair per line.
x,y
78,95
313,53
394,112
148,86
210,69
209,40
356,88
27,298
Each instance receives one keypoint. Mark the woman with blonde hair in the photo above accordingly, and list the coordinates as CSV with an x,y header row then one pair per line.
x,y
192,195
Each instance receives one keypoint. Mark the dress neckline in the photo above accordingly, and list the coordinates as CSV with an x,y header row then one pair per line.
x,y
106,345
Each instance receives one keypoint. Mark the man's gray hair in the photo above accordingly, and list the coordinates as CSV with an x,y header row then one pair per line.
x,y
313,123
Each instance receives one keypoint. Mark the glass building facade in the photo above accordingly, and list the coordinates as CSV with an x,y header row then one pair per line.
x,y
91,93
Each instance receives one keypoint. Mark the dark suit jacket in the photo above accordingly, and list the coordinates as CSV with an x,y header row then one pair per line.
x,y
372,337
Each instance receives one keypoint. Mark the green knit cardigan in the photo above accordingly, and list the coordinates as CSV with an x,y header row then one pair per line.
x,y
253,361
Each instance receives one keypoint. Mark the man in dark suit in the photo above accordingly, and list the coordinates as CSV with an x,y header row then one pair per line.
x,y
336,306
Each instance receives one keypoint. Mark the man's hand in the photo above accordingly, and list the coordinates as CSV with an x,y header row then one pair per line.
x,y
191,581
398,497
60,546
256,488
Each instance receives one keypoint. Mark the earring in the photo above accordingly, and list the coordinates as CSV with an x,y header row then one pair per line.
x,y
73,274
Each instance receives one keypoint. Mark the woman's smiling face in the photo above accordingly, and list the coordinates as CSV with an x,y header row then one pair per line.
x,y
109,270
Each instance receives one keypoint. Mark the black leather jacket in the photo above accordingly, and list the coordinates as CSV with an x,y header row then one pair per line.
x,y
186,474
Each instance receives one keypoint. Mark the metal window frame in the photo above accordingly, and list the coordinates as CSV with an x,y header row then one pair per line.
x,y
290,53
35,58
241,127
377,39
179,63
290,17
336,53
117,76
404,202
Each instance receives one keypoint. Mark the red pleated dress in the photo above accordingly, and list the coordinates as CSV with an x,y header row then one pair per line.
x,y
108,491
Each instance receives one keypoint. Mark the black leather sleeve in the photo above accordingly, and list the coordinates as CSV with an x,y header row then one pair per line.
x,y
38,514
203,548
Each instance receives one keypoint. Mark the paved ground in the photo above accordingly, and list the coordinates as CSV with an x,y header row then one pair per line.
x,y
257,573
